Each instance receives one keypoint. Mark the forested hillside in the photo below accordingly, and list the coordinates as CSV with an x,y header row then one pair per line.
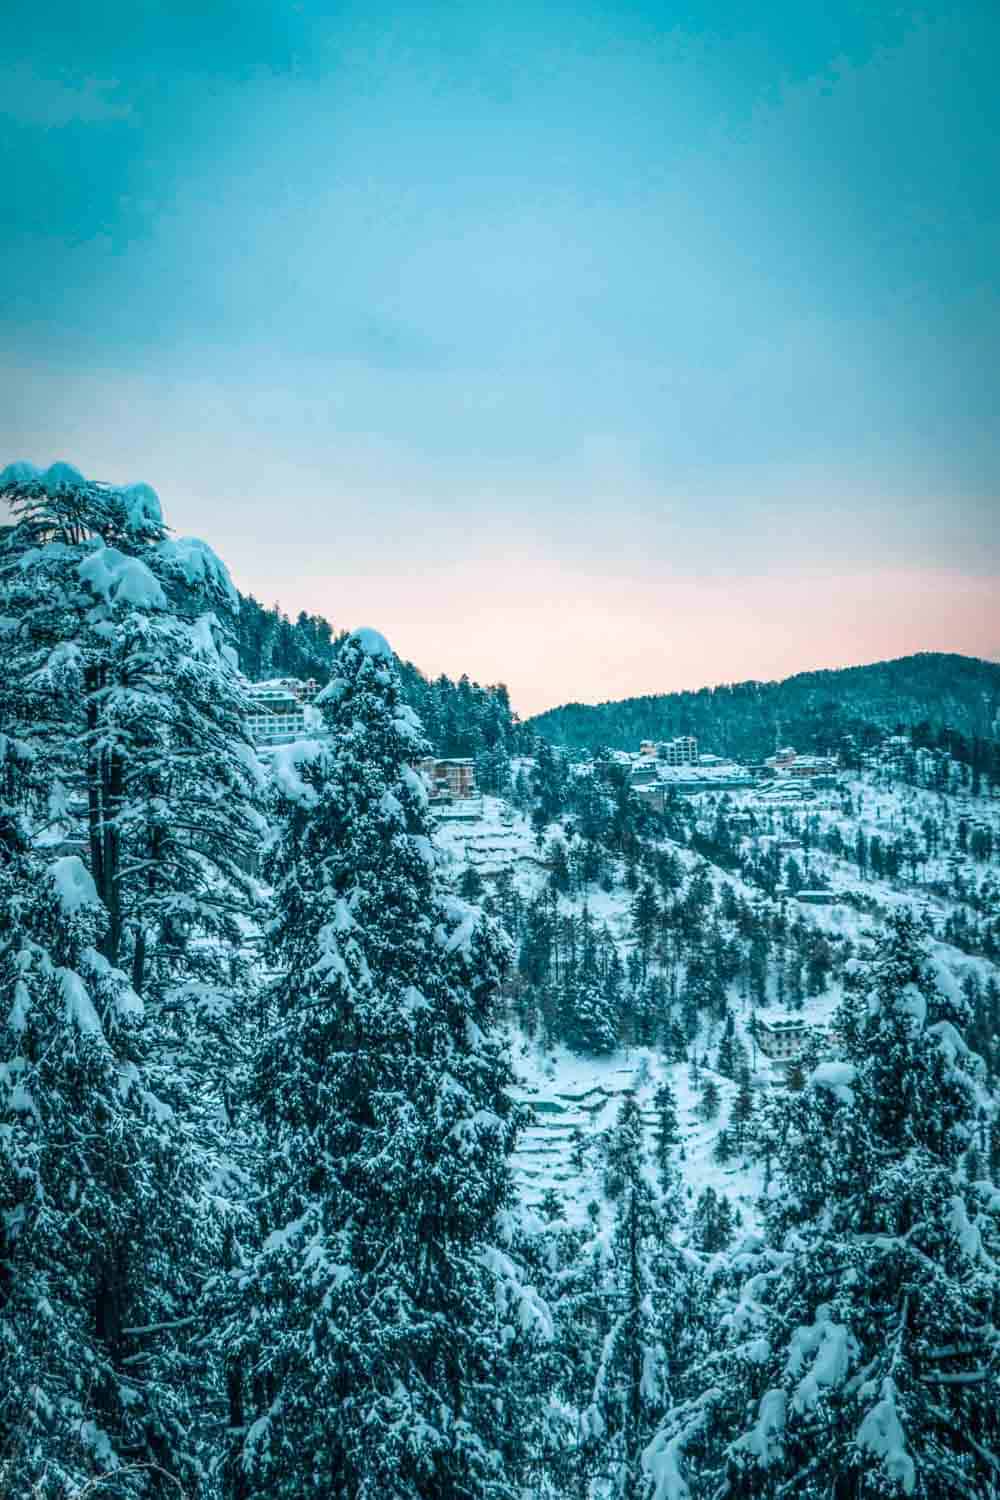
x,y
459,718
355,1144
813,710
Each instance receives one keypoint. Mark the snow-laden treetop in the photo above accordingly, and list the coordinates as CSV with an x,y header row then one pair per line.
x,y
142,504
136,512
190,558
140,501
371,643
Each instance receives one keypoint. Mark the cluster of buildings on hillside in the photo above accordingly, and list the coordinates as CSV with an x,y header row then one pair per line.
x,y
281,711
665,766
788,762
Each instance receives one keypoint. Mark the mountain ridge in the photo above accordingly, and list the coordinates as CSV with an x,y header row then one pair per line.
x,y
948,691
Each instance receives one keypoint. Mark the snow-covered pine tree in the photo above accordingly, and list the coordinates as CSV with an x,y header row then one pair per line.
x,y
125,718
122,636
667,1133
644,1290
712,1221
382,1320
859,1355
588,1004
99,1204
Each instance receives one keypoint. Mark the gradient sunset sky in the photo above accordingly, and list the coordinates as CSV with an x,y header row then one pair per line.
x,y
597,348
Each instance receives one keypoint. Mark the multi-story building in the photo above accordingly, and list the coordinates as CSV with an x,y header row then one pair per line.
x,y
781,1037
812,765
276,716
682,751
449,780
788,762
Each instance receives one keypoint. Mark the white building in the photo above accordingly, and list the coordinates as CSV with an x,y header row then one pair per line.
x,y
780,1037
276,715
682,751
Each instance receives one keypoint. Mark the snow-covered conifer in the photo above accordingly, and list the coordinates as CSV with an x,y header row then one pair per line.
x,y
123,721
860,1338
381,1323
99,1207
641,1289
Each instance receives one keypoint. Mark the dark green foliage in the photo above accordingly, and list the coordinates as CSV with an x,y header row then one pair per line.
x,y
816,710
713,1222
105,1232
858,1353
459,718
368,1335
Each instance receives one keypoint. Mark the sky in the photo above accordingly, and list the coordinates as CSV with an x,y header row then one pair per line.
x,y
594,348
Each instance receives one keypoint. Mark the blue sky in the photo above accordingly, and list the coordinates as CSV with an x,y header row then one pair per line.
x,y
411,309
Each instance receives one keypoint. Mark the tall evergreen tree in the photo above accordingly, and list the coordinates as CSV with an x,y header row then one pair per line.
x,y
644,1290
374,1318
102,1209
121,709
862,1345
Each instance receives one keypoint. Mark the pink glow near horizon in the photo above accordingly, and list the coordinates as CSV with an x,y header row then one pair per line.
x,y
555,635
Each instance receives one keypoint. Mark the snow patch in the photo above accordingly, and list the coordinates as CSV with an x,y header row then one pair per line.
x,y
372,643
881,1433
19,472
832,1348
515,1299
60,476
79,1006
74,884
117,578
142,506
196,564
286,766
390,807
466,920
764,1438
415,784
837,1077
18,1017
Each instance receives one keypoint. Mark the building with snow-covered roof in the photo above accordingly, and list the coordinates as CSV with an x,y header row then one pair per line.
x,y
780,1036
682,751
276,717
812,765
788,762
724,776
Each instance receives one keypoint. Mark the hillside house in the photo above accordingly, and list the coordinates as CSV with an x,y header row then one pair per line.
x,y
781,1037
276,715
681,751
449,780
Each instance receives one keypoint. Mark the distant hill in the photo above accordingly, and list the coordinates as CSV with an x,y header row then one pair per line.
x,y
812,711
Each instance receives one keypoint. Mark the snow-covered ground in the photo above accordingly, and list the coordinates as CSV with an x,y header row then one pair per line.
x,y
574,1099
